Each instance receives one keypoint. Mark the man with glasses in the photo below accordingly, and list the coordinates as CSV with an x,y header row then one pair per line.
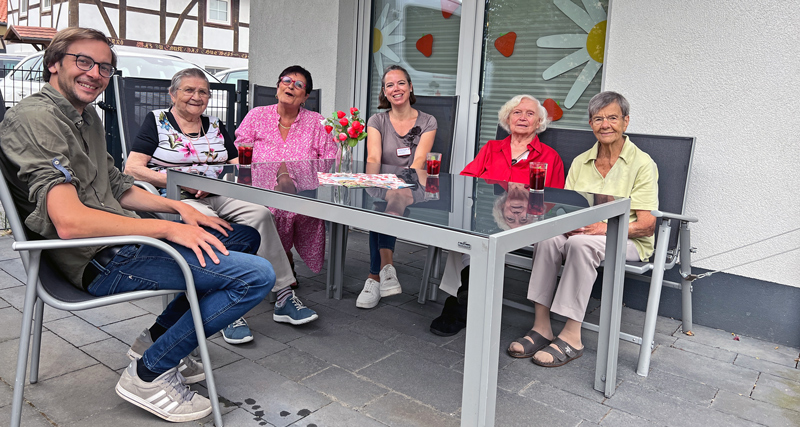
x,y
54,156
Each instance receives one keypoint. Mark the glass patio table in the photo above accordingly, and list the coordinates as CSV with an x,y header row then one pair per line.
x,y
488,222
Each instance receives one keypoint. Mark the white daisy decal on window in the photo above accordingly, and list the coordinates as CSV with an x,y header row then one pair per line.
x,y
382,38
591,45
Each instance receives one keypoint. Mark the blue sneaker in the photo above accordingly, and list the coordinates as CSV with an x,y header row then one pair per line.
x,y
237,332
294,312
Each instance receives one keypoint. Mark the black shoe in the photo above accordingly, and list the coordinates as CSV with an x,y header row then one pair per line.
x,y
452,320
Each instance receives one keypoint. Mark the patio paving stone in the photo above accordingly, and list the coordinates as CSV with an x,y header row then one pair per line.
x,y
252,385
427,383
754,410
765,366
57,358
75,330
713,372
336,415
294,364
396,410
110,352
667,410
346,387
777,391
81,393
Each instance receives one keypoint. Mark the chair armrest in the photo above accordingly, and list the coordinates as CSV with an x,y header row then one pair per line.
x,y
668,215
93,241
147,186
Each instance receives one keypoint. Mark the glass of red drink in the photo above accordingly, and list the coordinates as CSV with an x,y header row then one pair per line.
x,y
538,173
432,188
536,203
245,153
434,163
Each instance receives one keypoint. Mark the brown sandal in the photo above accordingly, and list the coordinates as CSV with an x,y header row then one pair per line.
x,y
529,348
567,354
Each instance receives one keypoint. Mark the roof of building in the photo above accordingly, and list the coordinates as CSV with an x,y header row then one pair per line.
x,y
3,12
31,35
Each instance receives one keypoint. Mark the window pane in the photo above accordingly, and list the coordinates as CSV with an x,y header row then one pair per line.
x,y
542,71
405,32
218,10
536,70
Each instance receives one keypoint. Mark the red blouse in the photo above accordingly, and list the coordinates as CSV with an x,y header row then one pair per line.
x,y
493,162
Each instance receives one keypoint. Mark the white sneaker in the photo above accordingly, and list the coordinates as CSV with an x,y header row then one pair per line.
x,y
192,370
370,296
166,397
389,283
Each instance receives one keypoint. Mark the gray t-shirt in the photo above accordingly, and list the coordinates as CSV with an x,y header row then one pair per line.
x,y
391,141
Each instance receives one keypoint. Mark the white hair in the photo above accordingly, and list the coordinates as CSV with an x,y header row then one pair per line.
x,y
508,107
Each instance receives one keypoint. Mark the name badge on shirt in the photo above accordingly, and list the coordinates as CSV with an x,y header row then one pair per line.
x,y
405,151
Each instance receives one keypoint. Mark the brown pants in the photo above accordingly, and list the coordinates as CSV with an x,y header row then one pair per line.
x,y
581,255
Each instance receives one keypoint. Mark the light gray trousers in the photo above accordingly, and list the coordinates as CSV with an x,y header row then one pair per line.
x,y
580,255
258,217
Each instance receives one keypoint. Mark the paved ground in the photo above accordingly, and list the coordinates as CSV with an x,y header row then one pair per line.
x,y
382,367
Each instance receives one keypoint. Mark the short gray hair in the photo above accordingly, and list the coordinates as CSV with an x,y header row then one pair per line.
x,y
187,72
604,99
508,107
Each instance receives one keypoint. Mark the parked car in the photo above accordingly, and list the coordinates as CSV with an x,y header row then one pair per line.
x,y
232,75
8,61
26,78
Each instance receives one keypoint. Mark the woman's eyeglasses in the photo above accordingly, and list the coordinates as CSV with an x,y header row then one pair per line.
x,y
86,63
297,83
190,92
598,120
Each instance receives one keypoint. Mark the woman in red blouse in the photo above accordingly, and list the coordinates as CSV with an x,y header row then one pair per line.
x,y
523,117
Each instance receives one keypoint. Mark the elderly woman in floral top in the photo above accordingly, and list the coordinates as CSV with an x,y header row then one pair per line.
x,y
287,131
183,136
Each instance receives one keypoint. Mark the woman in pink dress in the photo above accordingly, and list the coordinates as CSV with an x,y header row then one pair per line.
x,y
287,131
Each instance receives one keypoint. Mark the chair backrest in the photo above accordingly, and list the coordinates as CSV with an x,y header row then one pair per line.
x,y
135,97
265,95
443,108
673,156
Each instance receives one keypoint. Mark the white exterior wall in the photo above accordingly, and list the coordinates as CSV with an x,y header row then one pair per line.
x,y
216,38
728,73
321,42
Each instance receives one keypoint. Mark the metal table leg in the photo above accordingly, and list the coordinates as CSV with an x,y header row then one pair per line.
x,y
479,395
605,379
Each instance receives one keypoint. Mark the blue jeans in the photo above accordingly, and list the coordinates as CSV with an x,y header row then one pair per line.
x,y
226,291
377,242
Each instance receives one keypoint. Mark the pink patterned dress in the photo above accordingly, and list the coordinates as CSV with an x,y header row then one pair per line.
x,y
307,139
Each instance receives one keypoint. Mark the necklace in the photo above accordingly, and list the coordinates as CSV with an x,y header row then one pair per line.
x,y
282,126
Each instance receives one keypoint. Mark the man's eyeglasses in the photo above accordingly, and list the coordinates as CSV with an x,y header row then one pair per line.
x,y
598,120
86,63
297,83
190,92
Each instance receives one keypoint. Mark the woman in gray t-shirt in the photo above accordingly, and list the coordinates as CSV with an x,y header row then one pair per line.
x,y
402,136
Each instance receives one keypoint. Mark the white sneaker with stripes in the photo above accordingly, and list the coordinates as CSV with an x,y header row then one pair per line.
x,y
166,397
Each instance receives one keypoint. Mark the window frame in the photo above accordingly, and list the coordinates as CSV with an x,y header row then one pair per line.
x,y
210,20
47,5
23,11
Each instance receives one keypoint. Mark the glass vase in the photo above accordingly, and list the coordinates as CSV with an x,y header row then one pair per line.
x,y
344,159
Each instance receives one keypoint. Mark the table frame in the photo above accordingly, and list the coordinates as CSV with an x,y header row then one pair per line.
x,y
479,393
